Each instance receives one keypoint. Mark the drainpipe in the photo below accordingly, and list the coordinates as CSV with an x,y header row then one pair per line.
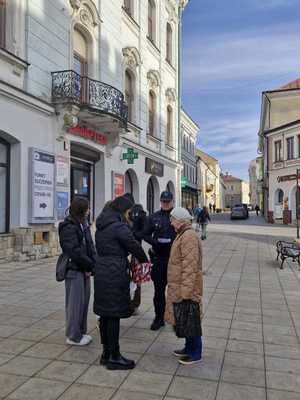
x,y
179,92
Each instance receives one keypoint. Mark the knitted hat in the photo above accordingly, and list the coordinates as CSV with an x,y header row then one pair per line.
x,y
181,214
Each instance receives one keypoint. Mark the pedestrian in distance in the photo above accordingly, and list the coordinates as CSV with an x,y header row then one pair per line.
x,y
76,242
257,209
114,243
138,218
203,220
185,284
214,208
210,207
160,234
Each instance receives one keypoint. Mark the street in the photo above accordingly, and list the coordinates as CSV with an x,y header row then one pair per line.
x,y
251,330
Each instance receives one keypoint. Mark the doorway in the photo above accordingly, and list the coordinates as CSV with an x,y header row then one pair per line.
x,y
81,181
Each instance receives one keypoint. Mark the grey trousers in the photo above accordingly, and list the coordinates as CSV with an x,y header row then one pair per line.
x,y
78,290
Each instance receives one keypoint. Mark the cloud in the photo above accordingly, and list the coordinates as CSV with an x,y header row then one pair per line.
x,y
240,59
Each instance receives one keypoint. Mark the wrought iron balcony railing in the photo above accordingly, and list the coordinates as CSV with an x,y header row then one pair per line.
x,y
70,87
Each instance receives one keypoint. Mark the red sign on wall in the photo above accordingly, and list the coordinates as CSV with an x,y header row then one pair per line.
x,y
89,134
118,181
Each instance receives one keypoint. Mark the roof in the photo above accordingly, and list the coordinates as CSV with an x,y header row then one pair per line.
x,y
230,178
206,157
292,85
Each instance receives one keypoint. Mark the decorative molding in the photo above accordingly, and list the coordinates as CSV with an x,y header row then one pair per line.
x,y
171,95
132,57
86,12
153,77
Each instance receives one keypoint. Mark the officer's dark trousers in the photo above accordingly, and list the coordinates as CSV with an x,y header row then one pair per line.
x,y
159,278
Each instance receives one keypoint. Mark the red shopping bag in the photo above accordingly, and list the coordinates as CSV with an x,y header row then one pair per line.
x,y
141,273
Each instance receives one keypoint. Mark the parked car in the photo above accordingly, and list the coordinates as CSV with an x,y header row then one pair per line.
x,y
239,212
246,208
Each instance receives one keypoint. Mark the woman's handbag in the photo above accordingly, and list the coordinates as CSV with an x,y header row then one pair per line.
x,y
61,267
187,319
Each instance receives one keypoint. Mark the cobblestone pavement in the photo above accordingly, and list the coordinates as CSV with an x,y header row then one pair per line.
x,y
251,333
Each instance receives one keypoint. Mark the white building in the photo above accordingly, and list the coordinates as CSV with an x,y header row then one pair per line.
x,y
68,71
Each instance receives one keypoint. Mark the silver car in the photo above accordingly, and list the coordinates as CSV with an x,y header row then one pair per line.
x,y
238,211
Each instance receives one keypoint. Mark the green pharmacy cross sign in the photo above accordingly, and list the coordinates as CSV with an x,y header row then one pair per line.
x,y
184,182
130,156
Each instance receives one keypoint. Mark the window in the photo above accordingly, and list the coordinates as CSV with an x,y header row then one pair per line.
x,y
128,7
277,150
2,23
290,148
152,111
299,146
129,95
151,20
169,43
80,53
169,125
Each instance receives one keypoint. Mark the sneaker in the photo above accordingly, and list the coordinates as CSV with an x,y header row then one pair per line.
x,y
179,353
157,324
88,337
83,342
188,360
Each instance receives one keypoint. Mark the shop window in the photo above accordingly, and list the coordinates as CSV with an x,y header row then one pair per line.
x,y
152,112
2,23
150,197
169,125
169,43
151,20
4,185
129,94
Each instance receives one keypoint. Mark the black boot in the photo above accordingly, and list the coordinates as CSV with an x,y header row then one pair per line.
x,y
117,362
157,324
105,356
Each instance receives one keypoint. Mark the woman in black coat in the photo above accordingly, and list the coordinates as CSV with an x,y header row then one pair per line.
x,y
114,242
76,242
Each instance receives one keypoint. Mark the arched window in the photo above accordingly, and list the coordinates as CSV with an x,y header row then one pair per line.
x,y
280,195
169,125
169,43
80,53
152,111
151,20
129,94
127,5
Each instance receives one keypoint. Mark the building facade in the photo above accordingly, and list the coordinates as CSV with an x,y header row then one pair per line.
x,y
189,131
236,192
280,147
89,105
208,180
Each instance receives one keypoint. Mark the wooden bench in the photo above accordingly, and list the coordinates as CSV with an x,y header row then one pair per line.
x,y
288,250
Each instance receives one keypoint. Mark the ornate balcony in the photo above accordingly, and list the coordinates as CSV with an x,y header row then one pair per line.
x,y
95,99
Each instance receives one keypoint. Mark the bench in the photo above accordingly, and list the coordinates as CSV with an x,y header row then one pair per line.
x,y
288,250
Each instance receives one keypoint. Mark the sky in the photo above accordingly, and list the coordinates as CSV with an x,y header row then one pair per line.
x,y
232,51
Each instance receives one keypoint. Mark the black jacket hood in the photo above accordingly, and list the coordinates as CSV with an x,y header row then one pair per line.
x,y
108,217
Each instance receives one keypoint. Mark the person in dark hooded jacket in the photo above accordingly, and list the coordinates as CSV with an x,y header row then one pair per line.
x,y
76,242
114,242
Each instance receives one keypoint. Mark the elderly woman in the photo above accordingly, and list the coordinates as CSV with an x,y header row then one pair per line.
x,y
185,278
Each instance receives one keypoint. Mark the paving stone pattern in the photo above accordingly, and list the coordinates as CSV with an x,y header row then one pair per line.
x,y
251,334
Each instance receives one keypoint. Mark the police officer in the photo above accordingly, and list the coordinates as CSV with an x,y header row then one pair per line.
x,y
160,234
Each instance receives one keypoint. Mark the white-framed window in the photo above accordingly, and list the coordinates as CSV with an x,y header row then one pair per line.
x,y
169,125
151,20
277,146
3,6
290,147
169,43
129,94
152,113
128,7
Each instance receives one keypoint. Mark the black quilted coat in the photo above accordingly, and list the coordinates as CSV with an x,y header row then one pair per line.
x,y
76,241
114,242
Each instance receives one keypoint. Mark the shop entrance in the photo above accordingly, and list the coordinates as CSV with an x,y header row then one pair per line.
x,y
152,195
